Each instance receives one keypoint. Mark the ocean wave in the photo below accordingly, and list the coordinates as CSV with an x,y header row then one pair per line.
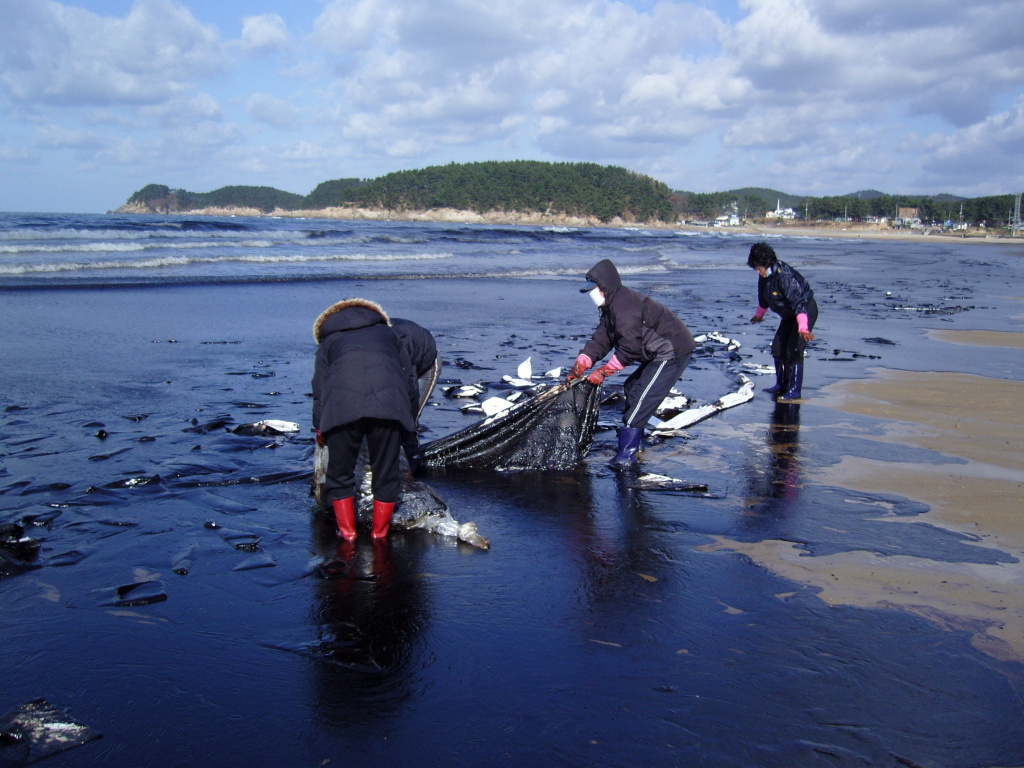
x,y
130,247
183,261
190,234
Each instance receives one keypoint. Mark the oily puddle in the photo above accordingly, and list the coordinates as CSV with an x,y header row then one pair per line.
x,y
977,422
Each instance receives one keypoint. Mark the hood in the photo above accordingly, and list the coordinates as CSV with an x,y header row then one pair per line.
x,y
362,313
606,276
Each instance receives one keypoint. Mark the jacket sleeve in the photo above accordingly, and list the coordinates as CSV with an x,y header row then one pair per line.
x,y
319,372
796,291
600,343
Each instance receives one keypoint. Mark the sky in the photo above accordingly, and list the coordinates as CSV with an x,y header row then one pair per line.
x,y
99,98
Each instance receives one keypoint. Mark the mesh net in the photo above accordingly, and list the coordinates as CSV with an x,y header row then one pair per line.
x,y
551,430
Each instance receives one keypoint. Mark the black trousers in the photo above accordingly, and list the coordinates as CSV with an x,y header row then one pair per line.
x,y
383,441
787,344
647,386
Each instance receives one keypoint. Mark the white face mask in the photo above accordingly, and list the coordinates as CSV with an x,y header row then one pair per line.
x,y
597,297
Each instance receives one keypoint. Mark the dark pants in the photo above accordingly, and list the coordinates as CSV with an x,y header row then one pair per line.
x,y
787,344
383,441
647,386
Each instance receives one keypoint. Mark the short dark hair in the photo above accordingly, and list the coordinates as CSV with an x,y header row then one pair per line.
x,y
761,255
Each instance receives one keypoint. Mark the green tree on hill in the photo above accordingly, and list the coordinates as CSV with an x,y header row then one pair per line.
x,y
578,189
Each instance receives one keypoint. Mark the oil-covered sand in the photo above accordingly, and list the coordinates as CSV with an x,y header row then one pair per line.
x,y
847,592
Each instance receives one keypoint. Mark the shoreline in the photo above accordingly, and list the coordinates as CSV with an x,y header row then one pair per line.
x,y
974,492
515,218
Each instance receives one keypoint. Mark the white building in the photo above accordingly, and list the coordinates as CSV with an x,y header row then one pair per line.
x,y
780,212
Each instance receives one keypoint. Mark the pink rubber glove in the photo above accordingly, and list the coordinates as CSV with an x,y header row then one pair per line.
x,y
606,370
582,364
802,329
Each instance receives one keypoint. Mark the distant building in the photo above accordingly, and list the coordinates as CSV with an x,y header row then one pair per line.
x,y
780,212
906,213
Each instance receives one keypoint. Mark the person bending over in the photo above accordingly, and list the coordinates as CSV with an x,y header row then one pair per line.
x,y
360,392
783,290
641,331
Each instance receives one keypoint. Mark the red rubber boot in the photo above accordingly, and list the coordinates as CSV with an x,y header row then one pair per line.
x,y
382,518
345,514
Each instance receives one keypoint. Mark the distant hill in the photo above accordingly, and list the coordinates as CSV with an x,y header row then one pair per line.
x,y
159,198
772,197
328,193
574,189
583,190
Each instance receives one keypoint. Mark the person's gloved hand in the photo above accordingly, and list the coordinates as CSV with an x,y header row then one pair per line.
x,y
801,327
320,439
581,365
613,365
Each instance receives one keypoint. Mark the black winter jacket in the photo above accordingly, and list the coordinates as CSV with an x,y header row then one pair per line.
x,y
358,371
636,326
417,344
419,351
784,291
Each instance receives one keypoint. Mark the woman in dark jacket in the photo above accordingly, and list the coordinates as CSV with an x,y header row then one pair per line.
x,y
642,331
360,391
783,290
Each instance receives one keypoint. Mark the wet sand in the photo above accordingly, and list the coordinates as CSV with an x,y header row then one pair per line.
x,y
977,426
601,627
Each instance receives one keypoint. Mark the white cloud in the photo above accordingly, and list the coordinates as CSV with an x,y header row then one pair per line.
x,y
267,32
987,149
275,112
55,137
811,96
452,72
184,111
58,54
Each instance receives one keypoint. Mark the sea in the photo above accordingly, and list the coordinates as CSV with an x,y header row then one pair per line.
x,y
67,250
166,580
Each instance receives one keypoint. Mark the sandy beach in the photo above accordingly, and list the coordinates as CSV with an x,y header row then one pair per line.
x,y
847,591
977,424
780,229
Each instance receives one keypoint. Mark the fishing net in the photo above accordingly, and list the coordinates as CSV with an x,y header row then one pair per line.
x,y
551,430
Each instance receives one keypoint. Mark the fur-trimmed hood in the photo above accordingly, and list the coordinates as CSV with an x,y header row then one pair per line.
x,y
363,317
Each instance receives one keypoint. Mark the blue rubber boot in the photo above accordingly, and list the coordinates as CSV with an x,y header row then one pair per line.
x,y
781,373
629,443
796,382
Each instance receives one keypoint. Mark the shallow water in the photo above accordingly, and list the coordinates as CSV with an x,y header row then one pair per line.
x,y
603,627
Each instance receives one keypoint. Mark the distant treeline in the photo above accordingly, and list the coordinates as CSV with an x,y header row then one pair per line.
x,y
575,189
753,203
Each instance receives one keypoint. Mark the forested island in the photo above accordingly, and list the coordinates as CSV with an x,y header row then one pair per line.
x,y
583,191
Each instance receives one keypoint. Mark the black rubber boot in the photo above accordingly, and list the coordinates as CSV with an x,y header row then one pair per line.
x,y
629,443
781,371
796,382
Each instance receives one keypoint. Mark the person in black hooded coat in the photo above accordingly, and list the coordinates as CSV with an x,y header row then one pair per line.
x,y
360,392
641,331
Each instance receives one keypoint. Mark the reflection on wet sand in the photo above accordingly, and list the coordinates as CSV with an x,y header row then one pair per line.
x,y
369,614
978,424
